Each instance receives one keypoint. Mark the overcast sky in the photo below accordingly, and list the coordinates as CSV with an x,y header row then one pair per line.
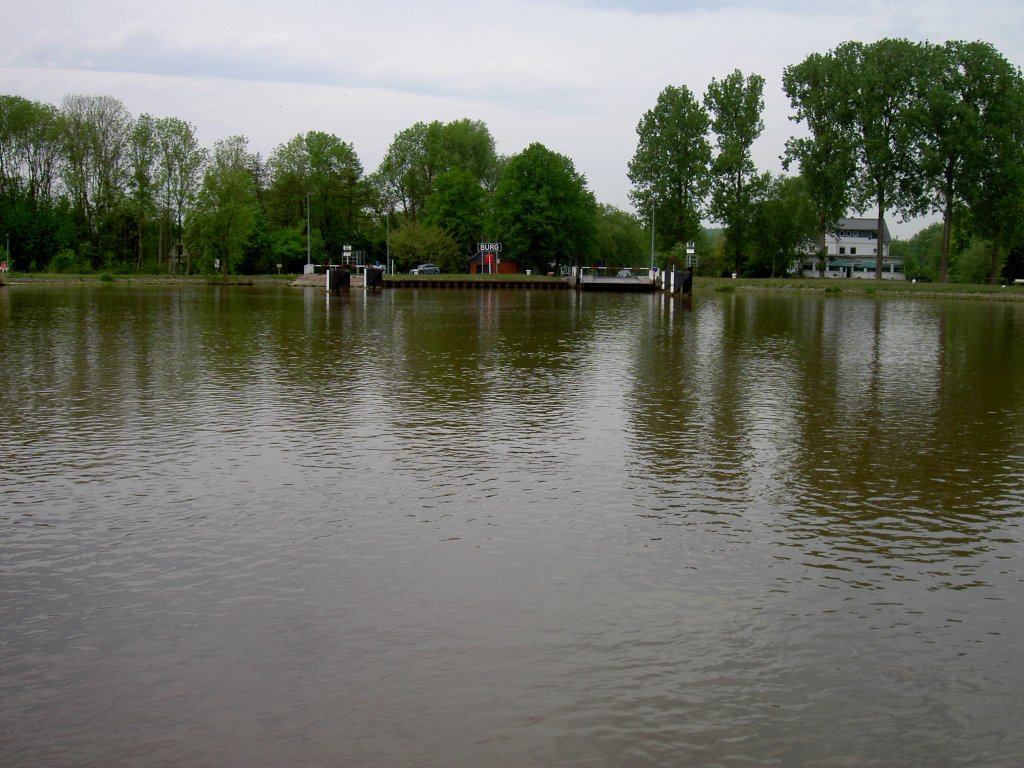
x,y
575,75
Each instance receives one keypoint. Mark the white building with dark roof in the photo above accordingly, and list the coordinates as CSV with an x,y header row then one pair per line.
x,y
851,249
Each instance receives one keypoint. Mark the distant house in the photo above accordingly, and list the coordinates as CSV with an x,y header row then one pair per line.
x,y
851,248
492,262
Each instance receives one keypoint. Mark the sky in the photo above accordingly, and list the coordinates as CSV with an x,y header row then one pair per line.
x,y
575,75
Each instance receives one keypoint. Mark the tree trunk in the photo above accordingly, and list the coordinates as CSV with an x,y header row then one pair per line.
x,y
881,235
947,235
996,258
823,251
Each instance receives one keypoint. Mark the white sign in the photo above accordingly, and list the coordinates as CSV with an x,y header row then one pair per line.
x,y
490,247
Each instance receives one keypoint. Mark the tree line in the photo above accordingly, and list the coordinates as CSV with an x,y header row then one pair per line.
x,y
84,186
892,125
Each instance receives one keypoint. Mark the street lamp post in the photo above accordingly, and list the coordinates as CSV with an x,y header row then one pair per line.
x,y
652,237
308,260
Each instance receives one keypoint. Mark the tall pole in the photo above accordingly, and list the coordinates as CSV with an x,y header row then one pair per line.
x,y
652,236
387,240
308,261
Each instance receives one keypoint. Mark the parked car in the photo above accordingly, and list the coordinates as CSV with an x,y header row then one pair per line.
x,y
624,273
427,269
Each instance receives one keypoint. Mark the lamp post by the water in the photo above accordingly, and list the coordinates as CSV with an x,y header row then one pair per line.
x,y
308,262
652,237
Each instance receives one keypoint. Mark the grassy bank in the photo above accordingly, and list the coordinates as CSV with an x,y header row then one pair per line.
x,y
838,287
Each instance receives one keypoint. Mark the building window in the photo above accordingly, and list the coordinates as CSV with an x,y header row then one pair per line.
x,y
853,251
842,251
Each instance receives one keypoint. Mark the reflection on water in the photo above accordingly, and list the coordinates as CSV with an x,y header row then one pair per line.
x,y
428,527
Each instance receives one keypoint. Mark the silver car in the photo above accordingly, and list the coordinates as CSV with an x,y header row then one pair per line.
x,y
427,269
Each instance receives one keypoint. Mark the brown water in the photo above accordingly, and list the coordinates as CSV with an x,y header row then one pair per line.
x,y
248,526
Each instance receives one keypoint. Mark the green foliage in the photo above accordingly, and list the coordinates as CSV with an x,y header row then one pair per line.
x,y
670,169
972,264
971,116
889,91
817,88
458,205
95,138
416,244
784,219
620,239
67,262
227,207
420,154
736,103
921,254
543,211
288,248
320,170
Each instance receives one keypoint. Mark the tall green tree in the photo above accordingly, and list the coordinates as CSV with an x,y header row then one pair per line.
x,y
818,89
143,151
735,103
543,210
620,240
30,151
970,110
96,133
785,218
321,169
33,215
420,154
994,193
458,205
228,208
886,86
670,170
180,165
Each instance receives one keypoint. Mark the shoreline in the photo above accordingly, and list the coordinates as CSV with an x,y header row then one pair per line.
x,y
701,285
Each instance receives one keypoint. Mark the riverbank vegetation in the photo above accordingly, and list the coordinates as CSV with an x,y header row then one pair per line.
x,y
915,128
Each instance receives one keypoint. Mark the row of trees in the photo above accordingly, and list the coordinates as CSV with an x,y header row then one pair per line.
x,y
892,125
85,186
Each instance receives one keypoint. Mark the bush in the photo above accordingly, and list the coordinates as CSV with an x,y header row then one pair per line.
x,y
67,262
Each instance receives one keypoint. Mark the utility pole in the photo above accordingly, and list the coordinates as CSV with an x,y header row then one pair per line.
x,y
652,236
308,261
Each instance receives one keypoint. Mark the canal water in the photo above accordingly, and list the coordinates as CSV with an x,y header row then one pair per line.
x,y
251,526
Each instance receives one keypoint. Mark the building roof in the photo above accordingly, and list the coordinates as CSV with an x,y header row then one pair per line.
x,y
863,225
